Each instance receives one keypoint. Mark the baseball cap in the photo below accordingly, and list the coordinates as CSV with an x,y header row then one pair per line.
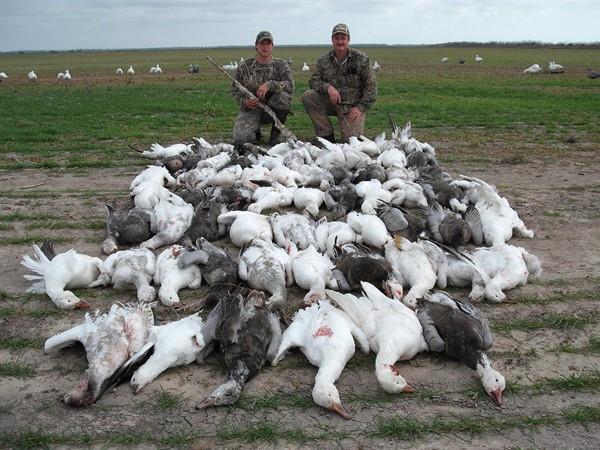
x,y
262,36
340,28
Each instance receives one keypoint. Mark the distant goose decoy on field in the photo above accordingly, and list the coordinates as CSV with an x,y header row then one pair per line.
x,y
119,71
60,76
534,68
248,334
56,273
591,74
193,68
130,71
67,76
3,76
325,335
305,68
444,59
462,332
553,67
109,339
31,76
478,59
376,66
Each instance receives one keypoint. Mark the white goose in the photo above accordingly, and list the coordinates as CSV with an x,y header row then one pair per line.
x,y
3,76
534,68
309,200
156,174
312,272
119,71
376,66
412,262
297,228
267,267
55,273
130,71
393,330
372,194
109,339
371,229
271,197
553,67
173,218
171,278
67,76
129,268
31,76
478,59
148,194
245,226
174,344
157,151
60,76
305,68
325,335
330,234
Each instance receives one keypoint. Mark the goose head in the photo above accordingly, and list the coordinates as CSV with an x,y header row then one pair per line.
x,y
327,396
390,379
393,289
493,382
493,293
226,394
146,294
168,296
67,300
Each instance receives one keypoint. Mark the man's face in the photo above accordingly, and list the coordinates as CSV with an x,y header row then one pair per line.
x,y
340,42
264,48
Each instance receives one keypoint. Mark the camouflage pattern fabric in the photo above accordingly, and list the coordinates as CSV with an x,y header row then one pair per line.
x,y
251,75
353,78
319,107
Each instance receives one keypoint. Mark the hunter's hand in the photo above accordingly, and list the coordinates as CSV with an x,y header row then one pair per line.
x,y
354,114
262,90
334,95
251,103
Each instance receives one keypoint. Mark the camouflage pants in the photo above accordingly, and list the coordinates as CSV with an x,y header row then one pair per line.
x,y
248,122
319,107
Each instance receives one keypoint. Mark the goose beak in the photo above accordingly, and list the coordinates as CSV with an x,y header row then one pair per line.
x,y
496,396
338,408
408,389
206,403
83,305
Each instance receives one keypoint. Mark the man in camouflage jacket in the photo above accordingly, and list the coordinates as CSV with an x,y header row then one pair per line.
x,y
271,80
342,85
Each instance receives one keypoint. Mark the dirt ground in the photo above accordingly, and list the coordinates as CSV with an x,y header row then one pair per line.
x,y
559,199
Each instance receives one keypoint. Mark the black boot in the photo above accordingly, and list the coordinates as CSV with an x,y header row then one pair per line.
x,y
275,133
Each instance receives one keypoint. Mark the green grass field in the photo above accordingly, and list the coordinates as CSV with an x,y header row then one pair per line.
x,y
89,122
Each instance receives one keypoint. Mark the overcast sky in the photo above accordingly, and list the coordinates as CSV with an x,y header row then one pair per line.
x,y
83,24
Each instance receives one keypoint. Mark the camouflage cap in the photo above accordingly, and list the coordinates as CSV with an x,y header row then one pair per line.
x,y
262,36
340,28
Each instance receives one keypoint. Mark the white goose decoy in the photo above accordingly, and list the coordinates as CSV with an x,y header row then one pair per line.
x,y
297,228
393,330
553,67
60,76
444,59
109,339
171,278
245,226
309,200
312,272
412,262
478,59
305,68
31,76
130,71
325,335
3,76
173,344
67,76
55,273
376,66
534,68
129,268
371,229
267,267
173,218
157,70
119,71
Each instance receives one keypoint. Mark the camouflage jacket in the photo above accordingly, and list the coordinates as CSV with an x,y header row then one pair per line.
x,y
251,75
353,78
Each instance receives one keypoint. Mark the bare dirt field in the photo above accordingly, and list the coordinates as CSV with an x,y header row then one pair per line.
x,y
546,342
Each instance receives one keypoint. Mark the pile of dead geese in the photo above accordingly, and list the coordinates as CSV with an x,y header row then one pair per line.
x,y
369,229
